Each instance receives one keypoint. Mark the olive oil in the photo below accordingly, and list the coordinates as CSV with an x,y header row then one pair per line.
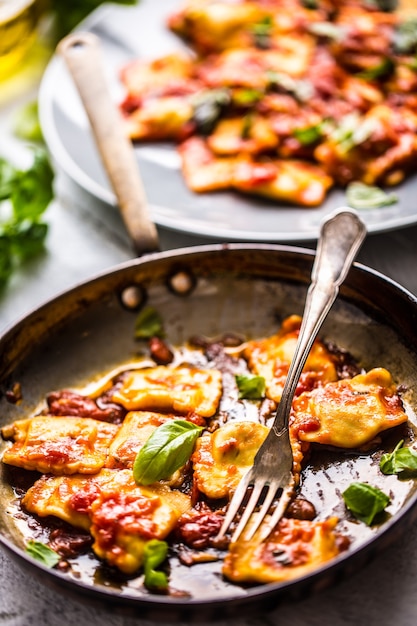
x,y
18,32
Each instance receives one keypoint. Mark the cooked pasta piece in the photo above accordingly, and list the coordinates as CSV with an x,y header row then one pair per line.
x,y
294,549
222,458
271,358
120,515
183,390
59,445
349,413
322,94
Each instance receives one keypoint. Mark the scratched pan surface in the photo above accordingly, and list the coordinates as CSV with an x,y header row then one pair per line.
x,y
243,288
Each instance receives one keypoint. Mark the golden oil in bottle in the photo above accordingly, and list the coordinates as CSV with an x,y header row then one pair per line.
x,y
18,31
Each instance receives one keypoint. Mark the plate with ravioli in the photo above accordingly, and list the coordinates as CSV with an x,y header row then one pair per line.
x,y
139,399
252,121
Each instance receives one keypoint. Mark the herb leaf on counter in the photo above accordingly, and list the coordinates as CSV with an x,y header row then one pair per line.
x,y
69,13
24,197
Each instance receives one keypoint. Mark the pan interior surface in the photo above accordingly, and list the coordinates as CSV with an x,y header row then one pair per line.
x,y
240,291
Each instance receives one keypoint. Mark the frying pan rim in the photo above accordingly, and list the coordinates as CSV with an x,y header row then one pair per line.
x,y
272,591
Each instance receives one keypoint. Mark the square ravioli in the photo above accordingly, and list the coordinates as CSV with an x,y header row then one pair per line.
x,y
59,445
120,515
136,429
271,358
349,413
295,548
184,390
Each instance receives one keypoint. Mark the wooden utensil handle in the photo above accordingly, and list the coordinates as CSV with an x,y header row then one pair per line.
x,y
81,52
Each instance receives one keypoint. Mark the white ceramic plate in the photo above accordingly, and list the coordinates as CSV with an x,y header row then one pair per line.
x,y
140,31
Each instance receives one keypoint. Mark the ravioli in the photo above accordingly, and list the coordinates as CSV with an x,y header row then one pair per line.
x,y
349,91
181,390
136,429
223,457
271,358
349,413
59,445
294,549
120,515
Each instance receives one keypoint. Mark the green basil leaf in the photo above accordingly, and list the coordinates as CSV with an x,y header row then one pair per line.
x,y
247,97
208,105
329,30
362,196
42,553
155,553
8,175
167,449
247,126
6,260
365,501
148,324
27,124
67,15
301,89
33,190
352,131
311,134
385,68
250,387
401,459
262,31
382,5
405,36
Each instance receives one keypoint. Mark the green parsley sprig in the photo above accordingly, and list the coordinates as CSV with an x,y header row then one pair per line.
x,y
69,13
24,197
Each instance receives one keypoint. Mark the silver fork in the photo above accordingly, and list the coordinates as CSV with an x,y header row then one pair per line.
x,y
271,476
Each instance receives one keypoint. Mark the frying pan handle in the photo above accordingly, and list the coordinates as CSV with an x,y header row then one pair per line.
x,y
81,52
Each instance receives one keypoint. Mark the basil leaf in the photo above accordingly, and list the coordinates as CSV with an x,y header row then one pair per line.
x,y
382,5
167,449
155,553
27,125
247,97
6,262
8,176
352,131
33,191
148,324
67,15
301,89
383,69
329,30
262,32
405,36
311,134
208,106
401,459
42,553
250,386
365,501
24,197
362,196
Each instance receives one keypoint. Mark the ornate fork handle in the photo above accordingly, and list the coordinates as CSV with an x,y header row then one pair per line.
x,y
341,237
